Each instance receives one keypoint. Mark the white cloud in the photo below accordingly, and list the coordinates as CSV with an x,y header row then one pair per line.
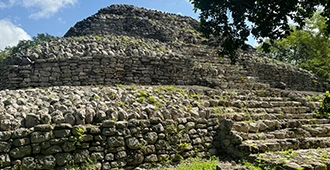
x,y
10,34
46,8
7,4
2,5
40,8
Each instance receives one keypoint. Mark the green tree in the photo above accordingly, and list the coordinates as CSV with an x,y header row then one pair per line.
x,y
308,48
25,44
325,106
5,53
228,20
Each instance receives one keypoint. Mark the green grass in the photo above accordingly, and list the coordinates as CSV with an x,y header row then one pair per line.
x,y
196,164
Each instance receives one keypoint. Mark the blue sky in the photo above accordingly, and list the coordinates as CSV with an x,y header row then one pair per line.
x,y
23,19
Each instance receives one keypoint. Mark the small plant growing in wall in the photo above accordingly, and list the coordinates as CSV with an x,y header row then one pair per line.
x,y
183,144
79,134
142,93
141,99
152,99
324,110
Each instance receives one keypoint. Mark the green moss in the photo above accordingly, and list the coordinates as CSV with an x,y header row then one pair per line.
x,y
142,93
152,99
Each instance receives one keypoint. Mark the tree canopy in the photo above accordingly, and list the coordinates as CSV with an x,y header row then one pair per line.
x,y
232,21
308,47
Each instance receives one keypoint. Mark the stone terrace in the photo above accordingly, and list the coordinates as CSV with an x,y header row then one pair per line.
x,y
83,107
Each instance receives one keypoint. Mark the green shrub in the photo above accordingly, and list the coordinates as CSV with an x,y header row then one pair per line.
x,y
5,53
25,44
325,105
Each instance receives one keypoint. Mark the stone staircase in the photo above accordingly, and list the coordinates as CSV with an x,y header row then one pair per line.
x,y
270,121
267,120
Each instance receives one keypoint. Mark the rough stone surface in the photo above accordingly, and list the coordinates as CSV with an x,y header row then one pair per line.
x,y
74,115
143,47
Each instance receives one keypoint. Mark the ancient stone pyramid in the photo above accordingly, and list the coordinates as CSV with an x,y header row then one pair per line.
x,y
135,88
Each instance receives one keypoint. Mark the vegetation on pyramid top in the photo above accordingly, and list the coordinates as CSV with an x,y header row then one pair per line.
x,y
68,47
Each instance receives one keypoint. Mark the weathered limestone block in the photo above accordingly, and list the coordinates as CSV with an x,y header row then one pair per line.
x,y
57,117
133,143
20,142
90,114
122,114
43,128
28,163
38,137
197,141
5,147
116,141
63,158
118,164
45,162
162,145
36,149
148,149
7,125
80,156
108,123
69,118
80,116
20,152
69,146
100,116
109,131
121,124
158,128
4,160
151,158
52,150
109,157
120,155
151,137
190,125
99,156
62,133
135,158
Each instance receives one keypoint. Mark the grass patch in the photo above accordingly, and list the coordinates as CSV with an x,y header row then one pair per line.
x,y
196,164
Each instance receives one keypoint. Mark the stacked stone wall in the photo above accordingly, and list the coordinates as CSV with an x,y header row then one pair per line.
x,y
138,22
281,75
165,69
106,70
112,144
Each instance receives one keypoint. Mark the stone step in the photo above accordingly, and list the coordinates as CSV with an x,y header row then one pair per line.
x,y
261,146
266,116
274,110
297,132
238,116
224,101
277,134
318,159
257,98
271,125
288,110
320,130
